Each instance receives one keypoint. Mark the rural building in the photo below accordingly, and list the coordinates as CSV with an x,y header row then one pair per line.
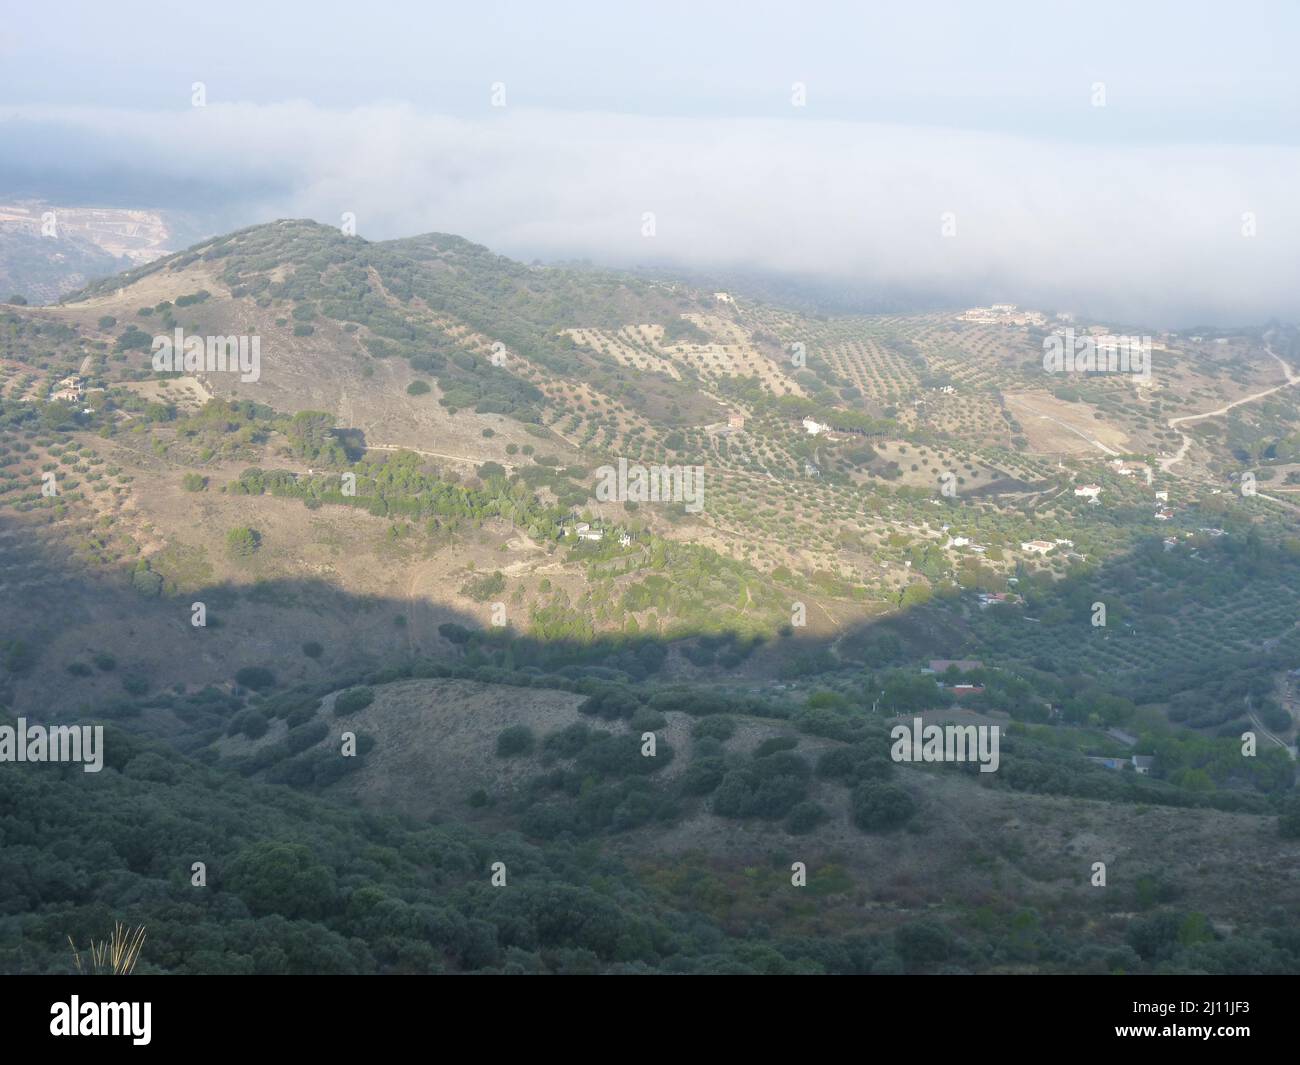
x,y
1091,491
988,599
69,389
1036,547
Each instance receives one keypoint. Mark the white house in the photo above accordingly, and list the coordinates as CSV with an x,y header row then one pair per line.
x,y
1036,547
69,390
1091,491
814,428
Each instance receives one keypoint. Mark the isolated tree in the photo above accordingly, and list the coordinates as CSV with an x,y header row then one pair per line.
x,y
242,542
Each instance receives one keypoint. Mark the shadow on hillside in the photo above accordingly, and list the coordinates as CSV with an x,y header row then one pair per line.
x,y
100,646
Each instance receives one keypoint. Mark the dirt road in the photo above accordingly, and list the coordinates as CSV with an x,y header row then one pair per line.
x,y
1291,378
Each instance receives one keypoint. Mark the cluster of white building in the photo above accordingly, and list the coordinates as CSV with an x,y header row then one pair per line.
x,y
1002,314
583,531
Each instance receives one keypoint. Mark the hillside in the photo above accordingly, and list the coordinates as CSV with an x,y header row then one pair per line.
x,y
402,500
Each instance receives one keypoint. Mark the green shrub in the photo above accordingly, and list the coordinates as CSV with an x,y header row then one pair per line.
x,y
646,720
568,741
242,542
145,581
352,700
515,740
135,684
881,807
483,588
258,678
252,723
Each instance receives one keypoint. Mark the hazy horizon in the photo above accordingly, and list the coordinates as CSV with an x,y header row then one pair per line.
x,y
827,146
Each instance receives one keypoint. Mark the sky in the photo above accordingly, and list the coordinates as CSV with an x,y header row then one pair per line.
x,y
1131,161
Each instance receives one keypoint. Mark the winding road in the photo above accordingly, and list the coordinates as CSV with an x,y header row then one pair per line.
x,y
1291,378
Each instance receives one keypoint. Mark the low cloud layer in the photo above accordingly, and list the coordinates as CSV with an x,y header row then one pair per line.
x,y
1139,234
